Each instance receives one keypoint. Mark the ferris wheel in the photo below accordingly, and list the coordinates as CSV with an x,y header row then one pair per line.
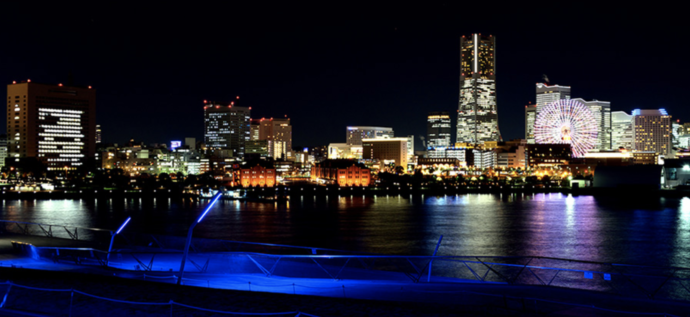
x,y
567,122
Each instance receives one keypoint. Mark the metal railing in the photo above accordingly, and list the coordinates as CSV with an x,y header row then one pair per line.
x,y
56,231
628,280
163,253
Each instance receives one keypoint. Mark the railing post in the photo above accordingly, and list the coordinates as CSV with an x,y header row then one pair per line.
x,y
428,279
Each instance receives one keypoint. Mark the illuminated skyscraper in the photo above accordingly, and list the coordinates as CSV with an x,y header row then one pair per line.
x,y
3,149
278,133
438,127
530,118
602,114
477,113
55,124
547,94
226,127
622,135
652,130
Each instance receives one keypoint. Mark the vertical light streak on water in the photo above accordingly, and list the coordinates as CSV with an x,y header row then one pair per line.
x,y
681,244
570,213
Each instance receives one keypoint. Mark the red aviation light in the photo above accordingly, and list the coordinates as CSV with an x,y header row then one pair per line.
x,y
204,100
28,80
14,82
89,87
60,85
250,108
217,107
205,107
238,97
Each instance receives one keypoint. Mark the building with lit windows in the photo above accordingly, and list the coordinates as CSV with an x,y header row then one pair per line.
x,y
344,151
56,124
3,150
410,148
459,154
622,132
98,134
547,94
227,127
530,119
355,134
257,176
438,129
677,130
257,147
652,129
542,155
341,172
602,114
477,111
389,150
278,133
255,125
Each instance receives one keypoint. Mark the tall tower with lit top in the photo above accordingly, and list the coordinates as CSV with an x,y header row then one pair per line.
x,y
477,113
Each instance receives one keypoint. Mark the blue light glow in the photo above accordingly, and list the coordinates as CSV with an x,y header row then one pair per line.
x,y
663,111
123,225
636,112
209,207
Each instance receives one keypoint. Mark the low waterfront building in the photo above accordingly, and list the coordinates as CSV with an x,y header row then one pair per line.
x,y
257,176
645,157
676,172
341,172
540,155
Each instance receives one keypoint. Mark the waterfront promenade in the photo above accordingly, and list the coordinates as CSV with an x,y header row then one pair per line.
x,y
318,296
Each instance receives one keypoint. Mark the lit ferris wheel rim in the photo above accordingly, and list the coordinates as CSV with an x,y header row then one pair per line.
x,y
567,122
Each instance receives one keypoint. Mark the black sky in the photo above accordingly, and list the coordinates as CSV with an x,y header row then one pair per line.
x,y
328,67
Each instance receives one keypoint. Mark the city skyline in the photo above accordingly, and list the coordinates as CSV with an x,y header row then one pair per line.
x,y
409,68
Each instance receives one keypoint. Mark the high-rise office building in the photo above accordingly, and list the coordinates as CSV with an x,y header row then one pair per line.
x,y
226,127
622,132
652,130
355,134
438,129
477,112
278,133
530,119
56,124
547,94
602,114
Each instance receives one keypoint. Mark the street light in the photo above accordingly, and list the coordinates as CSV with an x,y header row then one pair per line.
x,y
112,238
189,235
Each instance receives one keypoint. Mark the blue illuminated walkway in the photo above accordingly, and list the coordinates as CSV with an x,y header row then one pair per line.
x,y
556,301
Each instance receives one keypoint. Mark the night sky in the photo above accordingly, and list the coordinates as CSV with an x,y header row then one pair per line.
x,y
329,67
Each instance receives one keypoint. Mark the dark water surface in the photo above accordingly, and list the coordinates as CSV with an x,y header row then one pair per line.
x,y
635,230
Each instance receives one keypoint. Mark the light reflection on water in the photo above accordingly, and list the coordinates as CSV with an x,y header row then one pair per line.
x,y
554,225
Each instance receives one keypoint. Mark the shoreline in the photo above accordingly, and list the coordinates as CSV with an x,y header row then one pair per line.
x,y
268,194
